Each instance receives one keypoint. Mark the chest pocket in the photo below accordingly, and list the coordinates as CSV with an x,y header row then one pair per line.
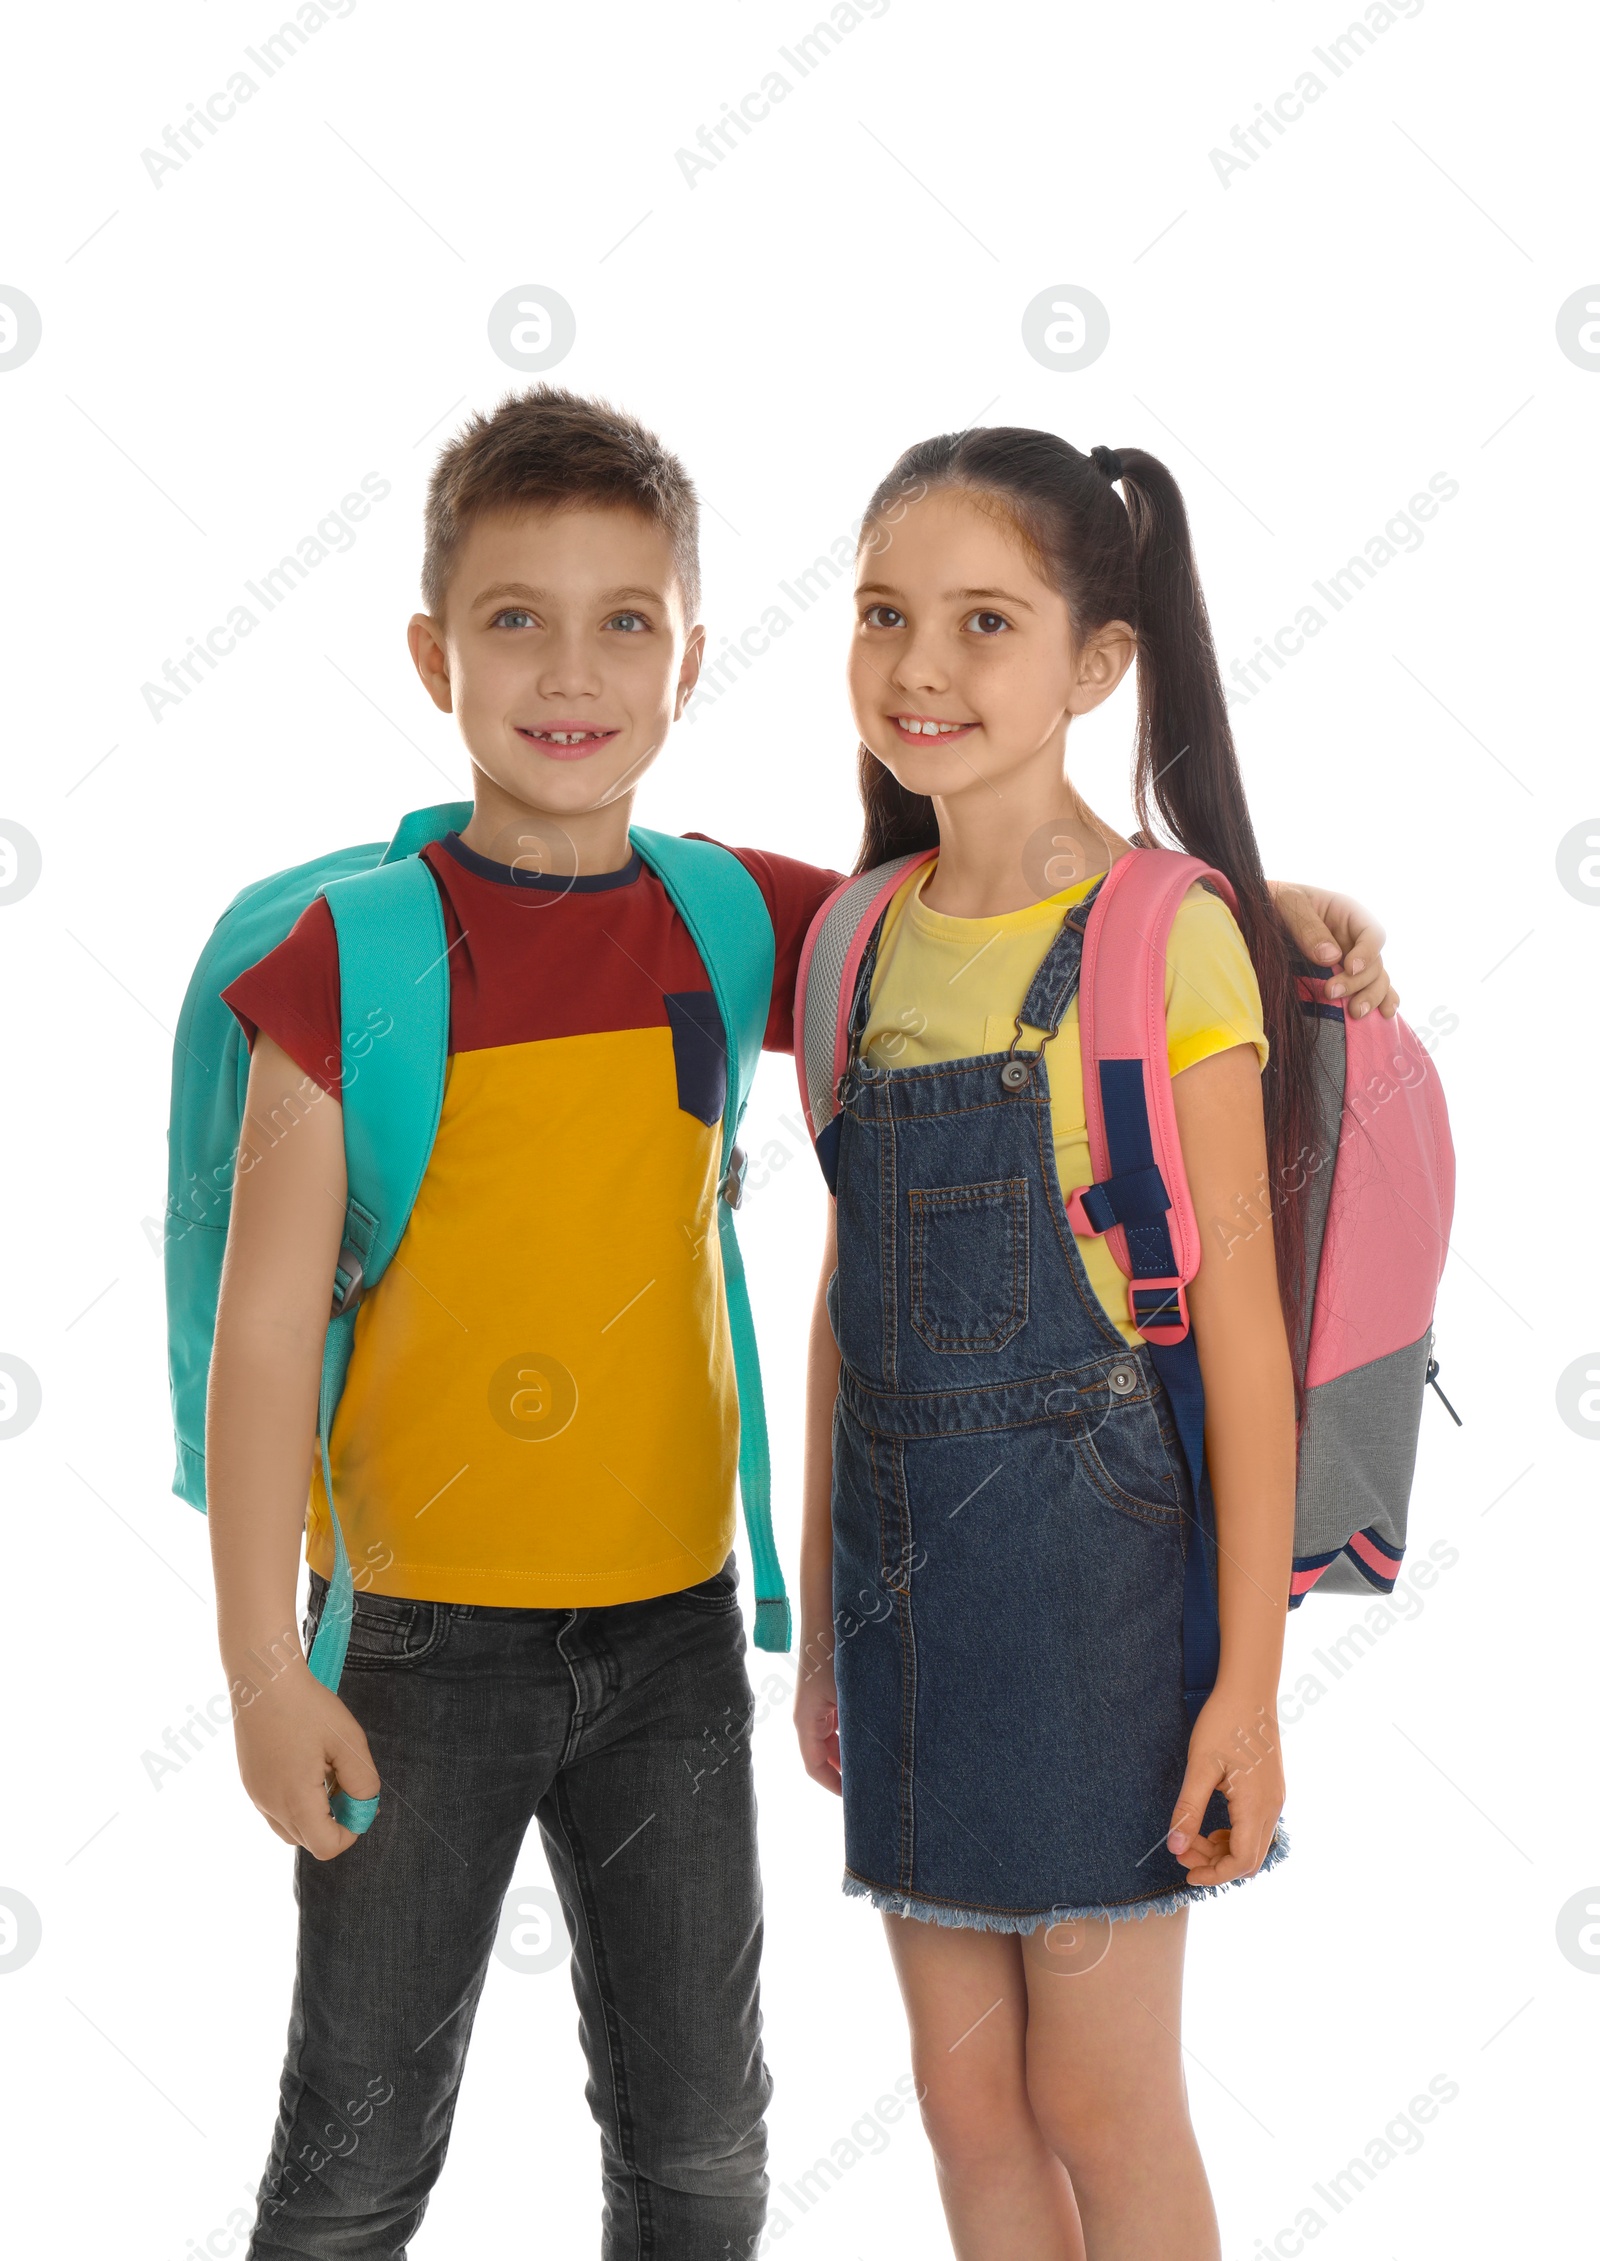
x,y
969,1264
699,1052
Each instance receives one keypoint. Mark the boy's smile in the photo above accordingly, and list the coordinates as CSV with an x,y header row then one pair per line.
x,y
565,741
564,655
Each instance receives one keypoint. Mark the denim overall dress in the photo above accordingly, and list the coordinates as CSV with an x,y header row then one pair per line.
x,y
1010,1513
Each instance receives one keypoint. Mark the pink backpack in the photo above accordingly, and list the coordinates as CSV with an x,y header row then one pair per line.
x,y
1381,1192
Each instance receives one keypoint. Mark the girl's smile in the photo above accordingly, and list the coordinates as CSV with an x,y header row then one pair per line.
x,y
912,726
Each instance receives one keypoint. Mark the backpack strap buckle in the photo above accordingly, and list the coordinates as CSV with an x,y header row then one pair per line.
x,y
1078,1217
349,1282
732,1185
1159,1309
355,1254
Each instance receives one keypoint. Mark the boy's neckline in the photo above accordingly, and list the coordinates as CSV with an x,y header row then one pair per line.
x,y
508,875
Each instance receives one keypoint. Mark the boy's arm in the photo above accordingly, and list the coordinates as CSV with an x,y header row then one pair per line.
x,y
1345,940
816,1702
261,1417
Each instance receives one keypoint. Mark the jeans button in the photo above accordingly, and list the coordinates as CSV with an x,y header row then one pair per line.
x,y
1013,1075
1123,1379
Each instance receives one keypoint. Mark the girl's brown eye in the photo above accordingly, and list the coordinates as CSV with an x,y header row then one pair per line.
x,y
988,623
882,616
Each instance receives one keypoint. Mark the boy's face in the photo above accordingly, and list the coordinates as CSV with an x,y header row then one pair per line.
x,y
563,653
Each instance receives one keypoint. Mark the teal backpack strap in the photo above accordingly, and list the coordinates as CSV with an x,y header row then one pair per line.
x,y
394,991
726,914
415,829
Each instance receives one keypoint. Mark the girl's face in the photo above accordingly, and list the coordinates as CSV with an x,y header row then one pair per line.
x,y
963,668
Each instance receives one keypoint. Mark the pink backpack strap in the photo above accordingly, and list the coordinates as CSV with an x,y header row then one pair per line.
x,y
830,962
1140,1198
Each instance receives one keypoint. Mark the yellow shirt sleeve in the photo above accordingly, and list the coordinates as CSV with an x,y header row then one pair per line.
x,y
1213,998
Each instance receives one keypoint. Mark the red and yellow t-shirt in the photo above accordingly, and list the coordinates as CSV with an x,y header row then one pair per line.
x,y
541,1409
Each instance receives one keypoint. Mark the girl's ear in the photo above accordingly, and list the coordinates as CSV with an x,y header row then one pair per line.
x,y
1102,663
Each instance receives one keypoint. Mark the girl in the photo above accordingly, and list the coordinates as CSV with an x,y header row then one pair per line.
x,y
997,1506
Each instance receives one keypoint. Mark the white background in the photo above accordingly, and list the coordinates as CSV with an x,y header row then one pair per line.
x,y
1372,301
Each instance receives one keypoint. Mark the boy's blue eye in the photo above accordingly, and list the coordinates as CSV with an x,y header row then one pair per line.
x,y
513,617
882,616
633,623
987,623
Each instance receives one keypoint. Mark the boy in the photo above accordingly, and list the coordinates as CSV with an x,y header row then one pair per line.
x,y
546,1624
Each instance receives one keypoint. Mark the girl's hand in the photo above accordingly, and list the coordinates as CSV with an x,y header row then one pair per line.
x,y
816,1717
1234,1747
1334,931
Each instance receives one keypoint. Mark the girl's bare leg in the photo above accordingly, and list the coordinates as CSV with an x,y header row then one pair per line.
x,y
1106,2088
1006,2195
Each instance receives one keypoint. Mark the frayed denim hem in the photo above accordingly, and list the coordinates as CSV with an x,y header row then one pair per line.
x,y
955,1917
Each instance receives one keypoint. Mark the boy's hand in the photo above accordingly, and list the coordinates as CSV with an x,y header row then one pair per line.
x,y
291,1738
1234,1747
816,1717
1334,931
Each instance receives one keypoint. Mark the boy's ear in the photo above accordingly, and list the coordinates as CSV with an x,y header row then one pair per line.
x,y
694,652
429,658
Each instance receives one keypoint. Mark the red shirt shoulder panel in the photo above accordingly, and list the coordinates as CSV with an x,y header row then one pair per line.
x,y
528,964
293,993
794,894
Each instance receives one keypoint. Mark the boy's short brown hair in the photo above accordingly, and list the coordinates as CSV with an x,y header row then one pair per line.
x,y
550,449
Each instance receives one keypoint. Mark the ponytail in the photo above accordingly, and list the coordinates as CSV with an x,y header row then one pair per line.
x,y
1134,562
1186,773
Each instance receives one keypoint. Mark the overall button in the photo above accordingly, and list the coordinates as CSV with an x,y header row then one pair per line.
x,y
1123,1380
1014,1075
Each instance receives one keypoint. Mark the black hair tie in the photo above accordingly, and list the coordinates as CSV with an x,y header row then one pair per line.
x,y
1106,459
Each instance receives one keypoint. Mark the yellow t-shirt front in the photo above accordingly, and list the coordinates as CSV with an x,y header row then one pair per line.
x,y
950,989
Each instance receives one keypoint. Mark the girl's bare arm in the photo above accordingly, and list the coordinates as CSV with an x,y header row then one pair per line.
x,y
1250,1452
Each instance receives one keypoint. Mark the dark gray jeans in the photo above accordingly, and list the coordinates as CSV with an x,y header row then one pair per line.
x,y
625,1732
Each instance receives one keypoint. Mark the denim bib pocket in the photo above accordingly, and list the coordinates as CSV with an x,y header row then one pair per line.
x,y
969,1264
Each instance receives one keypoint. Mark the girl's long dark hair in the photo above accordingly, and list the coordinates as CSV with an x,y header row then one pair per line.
x,y
1133,561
